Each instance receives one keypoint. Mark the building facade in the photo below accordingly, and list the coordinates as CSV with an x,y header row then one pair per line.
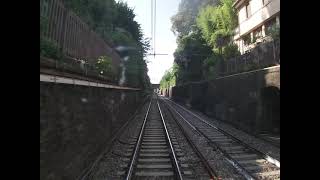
x,y
256,18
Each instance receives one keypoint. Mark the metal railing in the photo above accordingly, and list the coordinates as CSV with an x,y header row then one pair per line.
x,y
72,35
263,55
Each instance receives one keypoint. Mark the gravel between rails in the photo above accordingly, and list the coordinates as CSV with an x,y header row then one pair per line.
x,y
109,165
215,158
190,156
257,143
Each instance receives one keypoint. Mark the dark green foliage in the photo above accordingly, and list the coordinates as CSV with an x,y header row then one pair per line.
x,y
104,65
49,49
113,21
184,21
205,31
98,14
217,24
43,24
124,18
189,55
229,51
209,66
275,32
169,78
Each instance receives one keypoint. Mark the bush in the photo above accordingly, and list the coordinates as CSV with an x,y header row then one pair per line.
x,y
209,69
230,51
275,32
104,65
43,24
50,49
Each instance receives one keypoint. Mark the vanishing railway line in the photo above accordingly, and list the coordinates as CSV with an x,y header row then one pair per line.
x,y
172,142
250,162
156,154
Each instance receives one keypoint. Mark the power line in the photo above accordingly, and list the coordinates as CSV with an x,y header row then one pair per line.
x,y
155,22
153,28
152,22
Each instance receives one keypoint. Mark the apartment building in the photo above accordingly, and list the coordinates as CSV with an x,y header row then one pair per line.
x,y
256,18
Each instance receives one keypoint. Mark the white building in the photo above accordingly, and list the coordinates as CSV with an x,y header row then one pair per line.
x,y
255,18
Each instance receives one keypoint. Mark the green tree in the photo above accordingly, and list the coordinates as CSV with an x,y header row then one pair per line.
x,y
168,79
104,65
185,20
189,55
217,24
114,21
209,66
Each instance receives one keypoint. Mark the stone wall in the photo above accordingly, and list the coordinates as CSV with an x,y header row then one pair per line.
x,y
242,99
76,123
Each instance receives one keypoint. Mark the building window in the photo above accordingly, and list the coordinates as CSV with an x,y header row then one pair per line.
x,y
247,39
269,25
257,34
248,10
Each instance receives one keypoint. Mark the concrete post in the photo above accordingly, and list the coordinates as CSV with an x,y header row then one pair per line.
x,y
263,31
278,20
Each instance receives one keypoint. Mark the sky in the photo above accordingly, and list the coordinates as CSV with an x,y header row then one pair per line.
x,y
165,40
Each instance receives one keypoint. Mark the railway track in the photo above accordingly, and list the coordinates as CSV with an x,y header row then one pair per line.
x,y
155,153
249,162
273,139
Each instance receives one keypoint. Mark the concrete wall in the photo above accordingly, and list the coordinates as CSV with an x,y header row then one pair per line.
x,y
241,99
76,122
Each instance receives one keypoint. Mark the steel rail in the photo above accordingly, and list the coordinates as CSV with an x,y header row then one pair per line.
x,y
135,153
176,164
213,174
233,162
89,169
264,155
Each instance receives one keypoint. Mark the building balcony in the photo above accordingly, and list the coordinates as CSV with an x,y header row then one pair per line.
x,y
259,17
259,55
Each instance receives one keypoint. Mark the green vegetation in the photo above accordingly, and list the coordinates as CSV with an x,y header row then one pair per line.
x,y
169,78
50,49
217,24
204,32
104,65
184,21
43,24
275,32
113,21
229,51
209,65
189,55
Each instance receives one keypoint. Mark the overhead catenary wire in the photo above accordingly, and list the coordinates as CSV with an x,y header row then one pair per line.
x,y
151,23
155,22
153,28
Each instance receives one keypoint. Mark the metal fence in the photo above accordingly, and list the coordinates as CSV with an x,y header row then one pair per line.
x,y
72,35
263,55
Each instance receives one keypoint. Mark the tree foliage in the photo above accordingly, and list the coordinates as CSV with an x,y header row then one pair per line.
x,y
205,30
217,24
184,21
275,32
209,66
169,78
114,21
50,49
104,65
189,55
230,50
